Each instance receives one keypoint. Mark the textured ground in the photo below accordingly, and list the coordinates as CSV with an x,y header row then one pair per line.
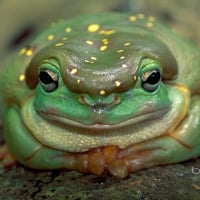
x,y
179,181
168,182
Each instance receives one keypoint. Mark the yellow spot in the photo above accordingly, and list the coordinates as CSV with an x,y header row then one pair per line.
x,y
22,51
68,30
103,48
59,44
140,16
127,44
29,52
122,57
22,77
107,32
102,92
101,31
132,18
64,38
86,61
74,71
149,24
45,61
93,58
151,18
124,66
120,51
89,42
93,28
117,83
78,81
105,41
135,77
50,37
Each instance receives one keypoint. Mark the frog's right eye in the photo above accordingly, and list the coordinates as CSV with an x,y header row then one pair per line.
x,y
48,80
151,80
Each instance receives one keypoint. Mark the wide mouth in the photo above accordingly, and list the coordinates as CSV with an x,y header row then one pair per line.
x,y
100,126
65,134
62,133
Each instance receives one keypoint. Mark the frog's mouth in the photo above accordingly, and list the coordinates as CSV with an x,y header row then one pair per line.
x,y
98,123
67,135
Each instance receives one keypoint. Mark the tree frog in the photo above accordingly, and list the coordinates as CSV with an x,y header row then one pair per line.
x,y
102,92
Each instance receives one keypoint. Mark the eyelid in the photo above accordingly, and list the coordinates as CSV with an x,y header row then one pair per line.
x,y
148,65
52,62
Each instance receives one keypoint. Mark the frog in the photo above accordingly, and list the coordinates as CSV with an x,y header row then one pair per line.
x,y
102,93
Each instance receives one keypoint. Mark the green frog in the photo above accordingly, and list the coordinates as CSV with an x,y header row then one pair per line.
x,y
102,92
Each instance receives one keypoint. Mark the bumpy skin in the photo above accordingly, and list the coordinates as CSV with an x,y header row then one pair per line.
x,y
103,92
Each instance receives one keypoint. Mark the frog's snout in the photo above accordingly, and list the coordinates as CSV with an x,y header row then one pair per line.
x,y
100,102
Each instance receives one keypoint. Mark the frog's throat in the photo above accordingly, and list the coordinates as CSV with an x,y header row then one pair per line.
x,y
77,139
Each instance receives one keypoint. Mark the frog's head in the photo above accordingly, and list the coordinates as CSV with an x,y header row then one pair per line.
x,y
92,84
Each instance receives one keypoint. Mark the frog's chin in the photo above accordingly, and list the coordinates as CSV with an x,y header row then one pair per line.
x,y
97,125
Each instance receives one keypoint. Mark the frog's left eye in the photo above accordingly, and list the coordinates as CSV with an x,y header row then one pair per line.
x,y
151,80
48,80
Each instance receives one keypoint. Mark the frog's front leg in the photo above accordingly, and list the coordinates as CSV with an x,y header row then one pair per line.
x,y
181,144
24,147
30,152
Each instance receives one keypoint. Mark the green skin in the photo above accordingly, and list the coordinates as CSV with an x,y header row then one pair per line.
x,y
103,92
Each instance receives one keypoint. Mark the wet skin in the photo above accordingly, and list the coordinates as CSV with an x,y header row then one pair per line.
x,y
104,92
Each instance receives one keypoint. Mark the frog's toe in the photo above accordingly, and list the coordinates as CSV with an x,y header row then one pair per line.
x,y
6,159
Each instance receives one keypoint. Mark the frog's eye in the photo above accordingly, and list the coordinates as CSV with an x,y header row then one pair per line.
x,y
151,80
48,80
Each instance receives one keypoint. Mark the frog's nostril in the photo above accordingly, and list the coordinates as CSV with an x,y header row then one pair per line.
x,y
116,100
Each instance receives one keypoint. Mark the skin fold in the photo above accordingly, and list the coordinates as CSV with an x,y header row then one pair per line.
x,y
106,92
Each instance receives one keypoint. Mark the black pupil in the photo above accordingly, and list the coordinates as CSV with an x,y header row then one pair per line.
x,y
45,78
153,78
